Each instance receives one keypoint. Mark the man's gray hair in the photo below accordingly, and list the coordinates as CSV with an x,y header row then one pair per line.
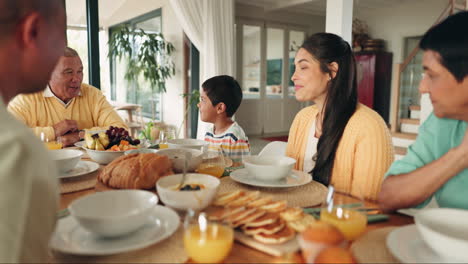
x,y
69,52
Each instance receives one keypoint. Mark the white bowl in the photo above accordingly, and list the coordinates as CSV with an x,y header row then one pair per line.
x,y
445,230
140,150
186,143
66,159
114,213
102,156
269,168
183,200
177,155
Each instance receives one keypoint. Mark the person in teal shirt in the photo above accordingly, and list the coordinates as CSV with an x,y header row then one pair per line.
x,y
436,165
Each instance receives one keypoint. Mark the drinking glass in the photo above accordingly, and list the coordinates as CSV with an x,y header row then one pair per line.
x,y
213,162
342,211
206,241
164,136
51,145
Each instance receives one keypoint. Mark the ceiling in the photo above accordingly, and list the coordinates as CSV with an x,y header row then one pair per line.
x,y
316,7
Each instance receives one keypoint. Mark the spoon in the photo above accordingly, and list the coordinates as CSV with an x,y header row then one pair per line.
x,y
187,156
330,193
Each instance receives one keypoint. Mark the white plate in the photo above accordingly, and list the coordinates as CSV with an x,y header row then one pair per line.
x,y
406,244
79,144
82,168
70,237
295,178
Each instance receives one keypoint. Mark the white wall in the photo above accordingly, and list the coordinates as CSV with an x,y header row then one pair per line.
x,y
393,24
410,18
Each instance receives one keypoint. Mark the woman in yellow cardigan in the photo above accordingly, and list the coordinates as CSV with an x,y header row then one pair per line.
x,y
338,140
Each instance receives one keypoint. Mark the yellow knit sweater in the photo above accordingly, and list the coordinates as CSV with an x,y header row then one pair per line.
x,y
364,152
90,109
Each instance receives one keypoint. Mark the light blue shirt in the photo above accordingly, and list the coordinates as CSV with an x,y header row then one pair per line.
x,y
436,137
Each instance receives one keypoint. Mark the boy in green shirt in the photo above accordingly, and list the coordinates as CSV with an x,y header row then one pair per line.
x,y
436,164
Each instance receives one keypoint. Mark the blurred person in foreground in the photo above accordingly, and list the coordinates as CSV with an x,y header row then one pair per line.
x,y
435,166
67,106
32,36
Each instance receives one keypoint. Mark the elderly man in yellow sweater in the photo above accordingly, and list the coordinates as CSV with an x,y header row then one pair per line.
x,y
67,106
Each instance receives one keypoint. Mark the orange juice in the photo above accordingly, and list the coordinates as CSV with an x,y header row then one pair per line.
x,y
53,145
211,169
210,246
350,223
163,146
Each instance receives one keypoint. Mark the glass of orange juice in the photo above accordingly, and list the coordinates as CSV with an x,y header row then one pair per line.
x,y
206,241
57,144
349,221
213,162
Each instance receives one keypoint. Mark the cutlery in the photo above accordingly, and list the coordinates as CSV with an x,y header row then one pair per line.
x,y
186,158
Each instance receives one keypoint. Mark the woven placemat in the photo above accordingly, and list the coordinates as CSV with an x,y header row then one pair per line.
x,y
372,247
311,194
74,184
170,250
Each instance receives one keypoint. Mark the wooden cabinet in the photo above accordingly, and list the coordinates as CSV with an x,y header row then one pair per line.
x,y
374,74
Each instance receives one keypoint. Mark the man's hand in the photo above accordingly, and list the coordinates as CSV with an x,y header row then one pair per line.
x,y
65,126
69,139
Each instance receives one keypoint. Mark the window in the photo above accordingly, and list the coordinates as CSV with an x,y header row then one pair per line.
x,y
279,42
139,92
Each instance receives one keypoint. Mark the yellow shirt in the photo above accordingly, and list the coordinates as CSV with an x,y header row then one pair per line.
x,y
28,193
90,109
364,153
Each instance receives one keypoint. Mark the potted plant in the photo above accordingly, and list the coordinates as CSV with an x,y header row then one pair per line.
x,y
148,56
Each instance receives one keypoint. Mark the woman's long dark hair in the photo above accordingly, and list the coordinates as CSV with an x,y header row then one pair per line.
x,y
340,102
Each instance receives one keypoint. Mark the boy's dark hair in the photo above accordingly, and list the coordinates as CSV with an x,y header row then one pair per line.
x,y
450,40
224,89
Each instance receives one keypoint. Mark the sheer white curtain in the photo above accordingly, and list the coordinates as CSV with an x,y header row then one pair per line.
x,y
210,26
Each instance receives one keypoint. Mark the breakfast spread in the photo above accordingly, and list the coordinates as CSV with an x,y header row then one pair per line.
x,y
113,139
266,220
136,171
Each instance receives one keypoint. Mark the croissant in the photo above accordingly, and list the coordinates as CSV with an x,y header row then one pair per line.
x,y
136,171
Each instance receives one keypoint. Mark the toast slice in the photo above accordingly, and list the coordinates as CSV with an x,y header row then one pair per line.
x,y
218,213
292,214
265,219
257,214
228,197
244,200
301,224
260,202
239,215
279,237
265,229
275,206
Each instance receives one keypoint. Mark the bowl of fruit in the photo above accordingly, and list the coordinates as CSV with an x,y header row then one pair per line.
x,y
104,147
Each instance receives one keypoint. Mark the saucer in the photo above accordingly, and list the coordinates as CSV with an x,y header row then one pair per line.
x,y
295,178
82,168
70,237
406,244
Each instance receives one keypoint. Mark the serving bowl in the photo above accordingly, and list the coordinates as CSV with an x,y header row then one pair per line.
x,y
445,230
114,213
187,143
65,159
183,200
140,150
103,156
177,155
269,168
